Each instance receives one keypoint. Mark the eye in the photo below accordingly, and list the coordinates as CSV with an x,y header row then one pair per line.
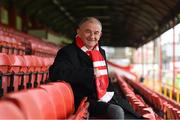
x,y
97,33
87,31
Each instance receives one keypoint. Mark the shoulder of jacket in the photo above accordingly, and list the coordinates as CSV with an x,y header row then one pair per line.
x,y
70,47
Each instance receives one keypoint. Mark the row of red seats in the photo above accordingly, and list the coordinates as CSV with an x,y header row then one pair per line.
x,y
136,101
14,42
22,71
43,49
169,109
11,47
49,101
172,108
11,43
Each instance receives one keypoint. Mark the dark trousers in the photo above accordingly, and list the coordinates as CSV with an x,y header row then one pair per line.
x,y
102,110
117,108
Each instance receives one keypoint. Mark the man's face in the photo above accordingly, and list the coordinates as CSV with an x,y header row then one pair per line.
x,y
90,33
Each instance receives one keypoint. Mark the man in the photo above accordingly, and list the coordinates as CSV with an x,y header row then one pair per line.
x,y
83,65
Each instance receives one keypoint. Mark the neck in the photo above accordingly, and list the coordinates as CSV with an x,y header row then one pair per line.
x,y
89,48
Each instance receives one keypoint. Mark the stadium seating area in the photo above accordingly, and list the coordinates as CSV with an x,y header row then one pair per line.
x,y
147,103
24,60
24,63
22,71
49,101
15,42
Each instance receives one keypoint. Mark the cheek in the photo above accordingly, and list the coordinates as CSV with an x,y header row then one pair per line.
x,y
85,35
98,37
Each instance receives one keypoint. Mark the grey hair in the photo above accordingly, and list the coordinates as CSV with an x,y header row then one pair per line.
x,y
90,19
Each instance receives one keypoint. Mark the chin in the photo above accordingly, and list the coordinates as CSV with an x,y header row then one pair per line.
x,y
92,45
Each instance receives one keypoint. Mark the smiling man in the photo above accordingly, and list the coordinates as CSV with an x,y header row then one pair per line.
x,y
90,33
83,65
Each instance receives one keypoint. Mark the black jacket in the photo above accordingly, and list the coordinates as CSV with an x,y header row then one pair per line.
x,y
75,67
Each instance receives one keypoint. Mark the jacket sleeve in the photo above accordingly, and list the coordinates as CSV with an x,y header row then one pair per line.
x,y
63,69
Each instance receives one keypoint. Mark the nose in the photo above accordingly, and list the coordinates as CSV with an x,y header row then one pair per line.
x,y
92,35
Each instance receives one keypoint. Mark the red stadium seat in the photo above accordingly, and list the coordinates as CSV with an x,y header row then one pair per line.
x,y
42,71
38,70
23,70
52,101
58,100
65,106
9,110
4,46
16,64
44,102
25,103
29,76
34,103
136,101
4,72
47,63
66,89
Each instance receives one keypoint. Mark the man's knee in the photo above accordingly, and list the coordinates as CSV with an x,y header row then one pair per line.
x,y
115,112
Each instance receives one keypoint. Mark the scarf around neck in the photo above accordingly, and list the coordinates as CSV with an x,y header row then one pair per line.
x,y
99,63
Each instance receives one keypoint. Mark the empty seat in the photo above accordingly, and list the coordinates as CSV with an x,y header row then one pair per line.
x,y
43,71
16,64
52,101
25,103
23,70
63,99
4,48
66,89
136,101
58,100
9,110
38,71
47,63
29,75
34,103
4,73
44,103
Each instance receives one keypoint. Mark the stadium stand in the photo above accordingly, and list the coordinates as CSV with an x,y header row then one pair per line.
x,y
51,101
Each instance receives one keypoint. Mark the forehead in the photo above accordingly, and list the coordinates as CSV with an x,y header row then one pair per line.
x,y
91,25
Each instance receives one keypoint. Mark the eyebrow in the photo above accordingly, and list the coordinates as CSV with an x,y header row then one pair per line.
x,y
93,31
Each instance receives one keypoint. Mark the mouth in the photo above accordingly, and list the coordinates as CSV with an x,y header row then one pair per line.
x,y
91,40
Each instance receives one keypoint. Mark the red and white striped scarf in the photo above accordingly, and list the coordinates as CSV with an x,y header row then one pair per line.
x,y
99,63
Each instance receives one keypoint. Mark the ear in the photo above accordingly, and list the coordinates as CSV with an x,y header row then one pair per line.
x,y
77,30
100,34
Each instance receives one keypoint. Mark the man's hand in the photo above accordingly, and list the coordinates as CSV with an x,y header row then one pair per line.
x,y
97,72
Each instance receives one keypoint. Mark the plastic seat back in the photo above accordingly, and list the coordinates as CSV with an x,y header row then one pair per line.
x,y
66,89
4,70
44,103
38,70
29,76
16,64
42,71
25,103
58,100
4,46
34,103
9,110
